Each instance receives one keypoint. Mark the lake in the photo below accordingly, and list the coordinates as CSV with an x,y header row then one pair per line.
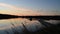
x,y
21,23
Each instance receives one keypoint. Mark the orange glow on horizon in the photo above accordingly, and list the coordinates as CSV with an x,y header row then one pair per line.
x,y
17,11
22,11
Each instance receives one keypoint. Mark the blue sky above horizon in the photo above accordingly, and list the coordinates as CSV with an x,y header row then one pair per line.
x,y
50,6
27,7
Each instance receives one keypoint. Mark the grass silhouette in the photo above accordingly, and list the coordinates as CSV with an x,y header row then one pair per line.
x,y
49,29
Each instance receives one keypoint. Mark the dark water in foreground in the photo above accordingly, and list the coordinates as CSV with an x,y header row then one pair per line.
x,y
9,26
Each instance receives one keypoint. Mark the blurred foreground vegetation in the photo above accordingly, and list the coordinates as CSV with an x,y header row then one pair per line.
x,y
48,29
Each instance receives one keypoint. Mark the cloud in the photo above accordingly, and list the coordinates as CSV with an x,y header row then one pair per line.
x,y
23,11
13,7
19,11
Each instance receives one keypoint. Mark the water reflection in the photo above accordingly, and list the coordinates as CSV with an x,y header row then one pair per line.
x,y
31,26
17,22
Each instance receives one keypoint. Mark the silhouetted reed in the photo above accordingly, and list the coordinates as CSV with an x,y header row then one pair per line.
x,y
49,29
6,32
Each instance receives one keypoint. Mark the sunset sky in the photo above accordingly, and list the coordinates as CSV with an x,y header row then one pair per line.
x,y
30,7
27,7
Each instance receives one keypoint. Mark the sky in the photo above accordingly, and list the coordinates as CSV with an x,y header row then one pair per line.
x,y
30,7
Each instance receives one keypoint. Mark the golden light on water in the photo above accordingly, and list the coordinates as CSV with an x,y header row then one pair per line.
x,y
28,8
6,24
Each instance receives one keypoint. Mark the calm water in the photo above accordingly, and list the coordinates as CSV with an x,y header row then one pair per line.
x,y
6,24
32,26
